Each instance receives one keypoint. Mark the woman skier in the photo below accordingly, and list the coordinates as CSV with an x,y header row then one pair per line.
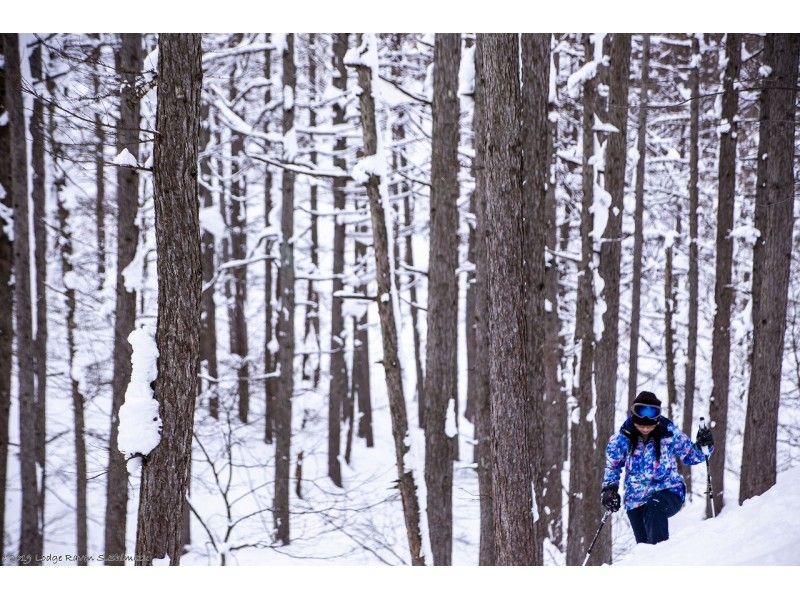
x,y
648,446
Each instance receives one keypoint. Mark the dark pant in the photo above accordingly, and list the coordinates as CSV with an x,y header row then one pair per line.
x,y
649,522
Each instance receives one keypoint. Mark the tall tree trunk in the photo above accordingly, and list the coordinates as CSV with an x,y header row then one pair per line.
x,y
99,171
483,425
441,357
337,394
283,401
584,503
607,357
723,290
534,95
669,332
694,270
270,382
361,392
771,260
387,304
509,221
30,533
638,222
165,472
312,295
555,413
129,64
65,245
208,329
39,200
6,293
238,239
408,256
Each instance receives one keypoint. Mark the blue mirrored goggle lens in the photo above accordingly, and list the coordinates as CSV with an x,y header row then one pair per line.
x,y
648,411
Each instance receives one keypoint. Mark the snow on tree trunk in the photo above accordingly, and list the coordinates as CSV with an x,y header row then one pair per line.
x,y
129,64
165,476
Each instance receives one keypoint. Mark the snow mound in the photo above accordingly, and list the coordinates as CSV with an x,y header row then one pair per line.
x,y
765,530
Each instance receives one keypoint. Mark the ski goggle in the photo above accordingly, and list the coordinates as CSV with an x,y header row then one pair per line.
x,y
646,411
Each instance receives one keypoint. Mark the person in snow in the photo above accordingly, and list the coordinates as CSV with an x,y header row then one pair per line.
x,y
648,446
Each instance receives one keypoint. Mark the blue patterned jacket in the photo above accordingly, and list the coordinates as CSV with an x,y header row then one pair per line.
x,y
649,467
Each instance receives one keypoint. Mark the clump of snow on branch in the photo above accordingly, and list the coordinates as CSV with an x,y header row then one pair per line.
x,y
588,71
125,158
139,420
366,54
211,221
746,232
368,166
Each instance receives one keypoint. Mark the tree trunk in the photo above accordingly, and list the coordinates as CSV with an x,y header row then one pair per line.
x,y
99,172
638,222
555,414
514,402
283,401
39,201
723,290
386,308
208,329
270,383
337,395
129,64
65,243
691,349
6,296
361,389
441,357
165,472
772,255
238,239
312,296
607,365
30,534
483,427
584,501
669,332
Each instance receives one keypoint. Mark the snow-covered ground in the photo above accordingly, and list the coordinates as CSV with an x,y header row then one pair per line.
x,y
765,530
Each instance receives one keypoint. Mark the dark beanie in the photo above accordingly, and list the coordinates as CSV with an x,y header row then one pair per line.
x,y
647,398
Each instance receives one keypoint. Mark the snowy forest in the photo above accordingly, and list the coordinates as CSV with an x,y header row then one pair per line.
x,y
382,299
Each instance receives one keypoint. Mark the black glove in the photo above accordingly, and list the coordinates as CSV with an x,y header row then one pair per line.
x,y
704,438
610,498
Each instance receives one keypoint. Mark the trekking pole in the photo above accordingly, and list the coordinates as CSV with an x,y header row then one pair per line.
x,y
709,485
606,515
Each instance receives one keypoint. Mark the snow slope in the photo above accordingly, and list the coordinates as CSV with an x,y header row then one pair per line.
x,y
765,530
